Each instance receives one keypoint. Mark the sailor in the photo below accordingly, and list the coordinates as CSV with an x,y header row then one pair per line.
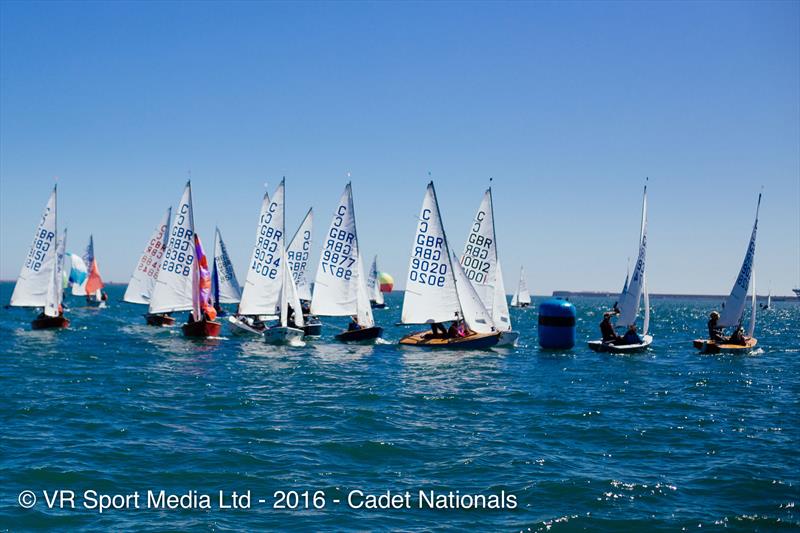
x,y
354,325
715,330
438,330
738,337
607,328
631,336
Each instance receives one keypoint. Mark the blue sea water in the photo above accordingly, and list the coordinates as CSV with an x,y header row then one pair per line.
x,y
661,441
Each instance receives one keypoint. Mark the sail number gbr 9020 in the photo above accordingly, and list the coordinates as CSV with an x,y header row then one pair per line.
x,y
338,257
266,255
429,261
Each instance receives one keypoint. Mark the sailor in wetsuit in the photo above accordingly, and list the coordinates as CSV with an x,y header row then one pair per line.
x,y
714,329
607,328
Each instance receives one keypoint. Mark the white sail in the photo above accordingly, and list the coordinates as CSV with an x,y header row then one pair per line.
x,y
430,294
143,280
752,327
340,284
646,302
36,274
297,254
474,313
373,283
55,291
224,286
734,306
173,287
480,262
522,296
290,296
262,287
629,300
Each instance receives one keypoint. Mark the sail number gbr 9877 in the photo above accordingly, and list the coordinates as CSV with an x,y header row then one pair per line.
x,y
429,260
337,257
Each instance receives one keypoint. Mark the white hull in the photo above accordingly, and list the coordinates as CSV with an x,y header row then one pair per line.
x,y
284,335
508,339
238,327
600,346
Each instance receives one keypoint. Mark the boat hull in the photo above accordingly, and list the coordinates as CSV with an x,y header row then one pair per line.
x,y
376,305
360,335
50,322
312,327
159,320
711,347
201,328
600,346
279,335
476,341
239,327
508,339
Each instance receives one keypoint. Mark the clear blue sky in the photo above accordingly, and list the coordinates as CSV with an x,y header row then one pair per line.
x,y
567,105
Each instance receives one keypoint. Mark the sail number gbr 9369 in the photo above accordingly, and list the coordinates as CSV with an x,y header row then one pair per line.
x,y
476,261
179,256
338,257
267,255
429,262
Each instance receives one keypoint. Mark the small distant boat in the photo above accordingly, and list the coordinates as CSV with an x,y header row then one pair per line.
x,y
224,286
39,283
376,299
521,298
733,310
178,284
143,280
633,292
269,288
340,286
796,292
438,290
768,305
93,285
481,264
297,254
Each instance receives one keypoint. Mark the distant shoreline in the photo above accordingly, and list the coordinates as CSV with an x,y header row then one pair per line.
x,y
605,294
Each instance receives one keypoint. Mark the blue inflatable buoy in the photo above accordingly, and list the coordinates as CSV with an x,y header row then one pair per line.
x,y
557,324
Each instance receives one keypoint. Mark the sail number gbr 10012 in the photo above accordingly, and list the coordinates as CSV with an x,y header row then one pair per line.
x,y
476,254
429,261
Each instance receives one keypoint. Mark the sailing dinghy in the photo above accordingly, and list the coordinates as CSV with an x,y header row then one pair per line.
x,y
39,281
438,290
269,288
143,280
633,292
521,298
376,299
93,286
340,286
482,265
733,309
297,254
180,284
224,286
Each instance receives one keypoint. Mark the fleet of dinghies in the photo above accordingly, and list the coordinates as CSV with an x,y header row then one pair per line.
x,y
460,299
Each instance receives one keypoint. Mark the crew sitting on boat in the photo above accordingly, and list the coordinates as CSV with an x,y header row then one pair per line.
x,y
738,337
354,325
714,329
458,328
290,318
607,328
630,337
438,330
42,315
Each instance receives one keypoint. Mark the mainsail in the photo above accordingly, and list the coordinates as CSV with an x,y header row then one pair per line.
x,y
173,287
55,291
437,289
734,305
522,296
143,280
297,255
262,287
373,283
481,264
37,272
340,285
224,286
630,298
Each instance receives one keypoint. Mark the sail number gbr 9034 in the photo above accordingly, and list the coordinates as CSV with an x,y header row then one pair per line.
x,y
266,255
337,257
429,262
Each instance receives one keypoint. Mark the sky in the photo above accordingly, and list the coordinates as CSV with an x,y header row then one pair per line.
x,y
568,106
